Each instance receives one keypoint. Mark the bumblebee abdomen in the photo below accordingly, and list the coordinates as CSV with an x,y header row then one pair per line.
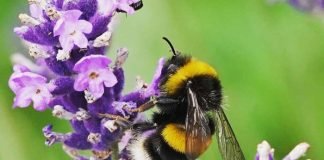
x,y
193,68
175,136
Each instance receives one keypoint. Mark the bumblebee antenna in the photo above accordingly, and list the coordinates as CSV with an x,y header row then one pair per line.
x,y
171,46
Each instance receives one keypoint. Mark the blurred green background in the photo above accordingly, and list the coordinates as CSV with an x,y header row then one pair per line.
x,y
270,60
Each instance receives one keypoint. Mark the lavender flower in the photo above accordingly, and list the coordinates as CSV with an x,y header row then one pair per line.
x,y
93,75
72,77
72,31
30,87
265,152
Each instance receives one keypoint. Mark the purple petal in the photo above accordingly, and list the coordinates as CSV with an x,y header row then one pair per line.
x,y
80,40
96,88
81,82
66,42
105,6
109,78
40,102
36,11
18,68
84,26
59,27
26,79
92,61
71,15
23,97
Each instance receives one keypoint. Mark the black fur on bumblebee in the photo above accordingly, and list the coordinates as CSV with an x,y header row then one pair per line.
x,y
189,113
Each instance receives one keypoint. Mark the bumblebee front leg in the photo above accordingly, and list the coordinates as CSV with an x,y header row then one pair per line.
x,y
146,106
115,117
154,100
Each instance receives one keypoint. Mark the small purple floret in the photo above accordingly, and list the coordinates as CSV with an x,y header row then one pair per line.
x,y
94,75
71,30
30,87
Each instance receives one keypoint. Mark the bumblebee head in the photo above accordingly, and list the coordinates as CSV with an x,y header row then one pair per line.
x,y
181,69
174,63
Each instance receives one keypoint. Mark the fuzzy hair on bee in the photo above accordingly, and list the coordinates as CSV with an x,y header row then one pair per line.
x,y
189,113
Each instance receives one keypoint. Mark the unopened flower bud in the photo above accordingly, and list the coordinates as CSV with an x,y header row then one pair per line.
x,y
122,54
36,51
102,40
61,113
82,115
52,13
52,137
63,55
94,138
111,125
101,154
140,83
28,20
89,97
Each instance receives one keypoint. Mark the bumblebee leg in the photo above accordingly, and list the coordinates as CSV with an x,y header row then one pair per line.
x,y
166,101
150,104
115,117
146,106
143,126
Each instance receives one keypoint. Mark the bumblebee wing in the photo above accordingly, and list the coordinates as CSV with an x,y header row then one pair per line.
x,y
227,142
198,135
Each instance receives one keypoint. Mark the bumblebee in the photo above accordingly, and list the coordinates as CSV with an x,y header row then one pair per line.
x,y
189,113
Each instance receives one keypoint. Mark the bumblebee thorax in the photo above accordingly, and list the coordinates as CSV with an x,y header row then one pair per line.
x,y
191,69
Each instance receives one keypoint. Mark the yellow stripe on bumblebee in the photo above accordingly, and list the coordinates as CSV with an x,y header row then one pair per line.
x,y
192,69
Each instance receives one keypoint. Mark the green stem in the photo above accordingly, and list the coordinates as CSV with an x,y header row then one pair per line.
x,y
115,152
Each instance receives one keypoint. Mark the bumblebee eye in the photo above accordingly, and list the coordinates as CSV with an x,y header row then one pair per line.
x,y
172,68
